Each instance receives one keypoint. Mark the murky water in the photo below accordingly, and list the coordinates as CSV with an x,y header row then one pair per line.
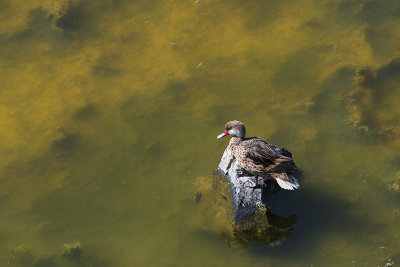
x,y
110,111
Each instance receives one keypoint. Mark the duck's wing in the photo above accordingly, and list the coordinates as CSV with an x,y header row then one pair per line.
x,y
273,163
263,154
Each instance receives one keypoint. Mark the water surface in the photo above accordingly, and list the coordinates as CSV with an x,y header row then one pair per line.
x,y
110,111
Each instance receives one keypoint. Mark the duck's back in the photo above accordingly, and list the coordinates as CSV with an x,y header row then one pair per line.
x,y
260,158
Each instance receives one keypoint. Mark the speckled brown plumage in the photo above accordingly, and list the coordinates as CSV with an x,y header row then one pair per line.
x,y
259,158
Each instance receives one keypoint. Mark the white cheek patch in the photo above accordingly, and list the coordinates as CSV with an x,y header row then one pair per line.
x,y
234,132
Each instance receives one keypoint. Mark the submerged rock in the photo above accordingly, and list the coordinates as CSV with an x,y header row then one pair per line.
x,y
21,255
72,251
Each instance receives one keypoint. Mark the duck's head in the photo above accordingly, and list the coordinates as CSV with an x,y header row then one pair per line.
x,y
235,128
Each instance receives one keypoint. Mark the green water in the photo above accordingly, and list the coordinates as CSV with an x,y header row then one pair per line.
x,y
109,113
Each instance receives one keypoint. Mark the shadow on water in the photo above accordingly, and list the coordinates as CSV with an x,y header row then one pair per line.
x,y
297,223
319,213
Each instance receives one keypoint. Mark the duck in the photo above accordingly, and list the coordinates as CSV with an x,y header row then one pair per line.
x,y
259,158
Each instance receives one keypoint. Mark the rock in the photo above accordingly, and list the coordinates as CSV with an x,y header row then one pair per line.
x,y
247,198
253,221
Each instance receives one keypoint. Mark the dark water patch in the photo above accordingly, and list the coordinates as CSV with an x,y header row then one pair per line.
x,y
329,100
76,18
58,207
319,213
368,78
258,14
175,92
390,71
106,67
45,262
377,11
85,113
40,27
89,17
67,143
147,151
106,71
295,71
374,98
383,41
346,11
396,161
313,24
4,5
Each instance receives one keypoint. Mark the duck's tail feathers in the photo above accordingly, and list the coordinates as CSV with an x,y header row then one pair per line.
x,y
290,183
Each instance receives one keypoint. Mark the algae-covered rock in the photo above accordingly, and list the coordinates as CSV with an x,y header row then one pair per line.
x,y
264,227
72,250
21,255
394,184
389,263
394,187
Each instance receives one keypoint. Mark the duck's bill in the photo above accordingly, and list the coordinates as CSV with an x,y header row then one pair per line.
x,y
222,135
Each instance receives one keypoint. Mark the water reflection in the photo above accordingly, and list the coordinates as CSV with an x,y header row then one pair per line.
x,y
263,227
